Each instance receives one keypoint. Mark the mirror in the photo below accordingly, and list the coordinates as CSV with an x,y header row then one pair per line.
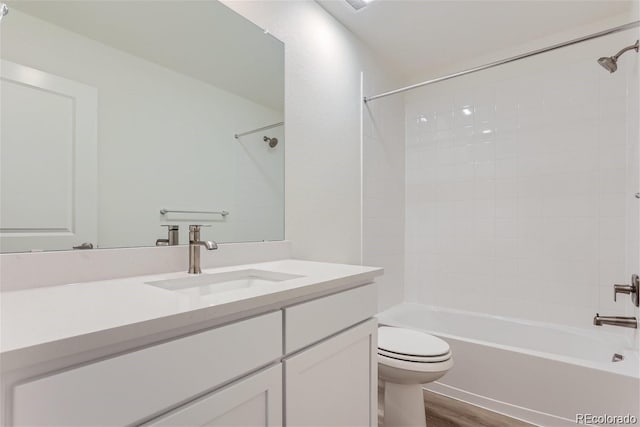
x,y
115,111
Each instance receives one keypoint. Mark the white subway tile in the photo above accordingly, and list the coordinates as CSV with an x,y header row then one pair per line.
x,y
612,181
506,208
506,251
506,145
444,120
485,169
484,209
529,207
612,205
506,229
533,192
506,168
484,189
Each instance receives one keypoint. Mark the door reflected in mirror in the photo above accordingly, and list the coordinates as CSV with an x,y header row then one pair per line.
x,y
114,111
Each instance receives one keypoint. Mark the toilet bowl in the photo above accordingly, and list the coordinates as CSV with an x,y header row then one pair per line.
x,y
406,360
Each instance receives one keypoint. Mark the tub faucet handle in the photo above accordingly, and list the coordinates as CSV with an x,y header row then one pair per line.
x,y
620,289
631,289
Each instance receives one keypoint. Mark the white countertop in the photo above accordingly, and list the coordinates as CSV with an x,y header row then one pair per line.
x,y
57,321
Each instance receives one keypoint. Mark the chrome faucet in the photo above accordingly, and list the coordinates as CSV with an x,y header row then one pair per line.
x,y
194,248
627,322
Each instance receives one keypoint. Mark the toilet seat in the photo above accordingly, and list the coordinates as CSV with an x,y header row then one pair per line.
x,y
416,359
411,346
413,367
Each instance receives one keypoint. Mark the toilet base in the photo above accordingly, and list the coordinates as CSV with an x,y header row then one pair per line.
x,y
403,405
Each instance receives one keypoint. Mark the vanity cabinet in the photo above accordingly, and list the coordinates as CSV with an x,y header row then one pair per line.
x,y
306,364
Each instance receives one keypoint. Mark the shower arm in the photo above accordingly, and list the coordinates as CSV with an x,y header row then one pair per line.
x,y
632,47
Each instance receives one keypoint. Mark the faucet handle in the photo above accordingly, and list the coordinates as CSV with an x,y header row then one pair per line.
x,y
620,289
633,289
173,235
196,227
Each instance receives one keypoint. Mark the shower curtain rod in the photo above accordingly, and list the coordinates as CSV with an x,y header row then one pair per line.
x,y
507,60
238,135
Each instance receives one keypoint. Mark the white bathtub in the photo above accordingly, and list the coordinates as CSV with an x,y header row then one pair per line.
x,y
541,373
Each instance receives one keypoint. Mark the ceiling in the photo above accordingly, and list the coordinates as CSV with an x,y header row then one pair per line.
x,y
204,40
421,35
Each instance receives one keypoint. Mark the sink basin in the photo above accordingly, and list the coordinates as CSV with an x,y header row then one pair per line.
x,y
208,284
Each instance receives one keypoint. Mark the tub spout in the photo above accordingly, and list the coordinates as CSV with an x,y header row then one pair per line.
x,y
627,322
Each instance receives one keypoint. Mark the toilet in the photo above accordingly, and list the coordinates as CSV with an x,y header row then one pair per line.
x,y
406,360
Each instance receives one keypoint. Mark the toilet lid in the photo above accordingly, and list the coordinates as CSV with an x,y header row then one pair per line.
x,y
410,343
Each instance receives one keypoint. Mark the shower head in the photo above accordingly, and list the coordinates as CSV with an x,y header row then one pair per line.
x,y
610,63
272,141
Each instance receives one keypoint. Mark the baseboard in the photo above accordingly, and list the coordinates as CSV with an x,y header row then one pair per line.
x,y
507,409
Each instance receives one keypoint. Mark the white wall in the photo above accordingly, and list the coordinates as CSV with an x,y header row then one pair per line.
x,y
525,208
165,141
331,214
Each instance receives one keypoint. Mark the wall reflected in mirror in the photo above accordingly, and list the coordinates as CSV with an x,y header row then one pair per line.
x,y
113,111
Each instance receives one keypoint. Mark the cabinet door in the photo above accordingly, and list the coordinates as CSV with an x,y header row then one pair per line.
x,y
334,383
252,401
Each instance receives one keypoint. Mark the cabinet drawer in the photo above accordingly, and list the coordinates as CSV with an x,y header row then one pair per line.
x,y
313,321
134,386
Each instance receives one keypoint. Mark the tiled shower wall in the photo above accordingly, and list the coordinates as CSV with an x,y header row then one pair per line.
x,y
519,187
